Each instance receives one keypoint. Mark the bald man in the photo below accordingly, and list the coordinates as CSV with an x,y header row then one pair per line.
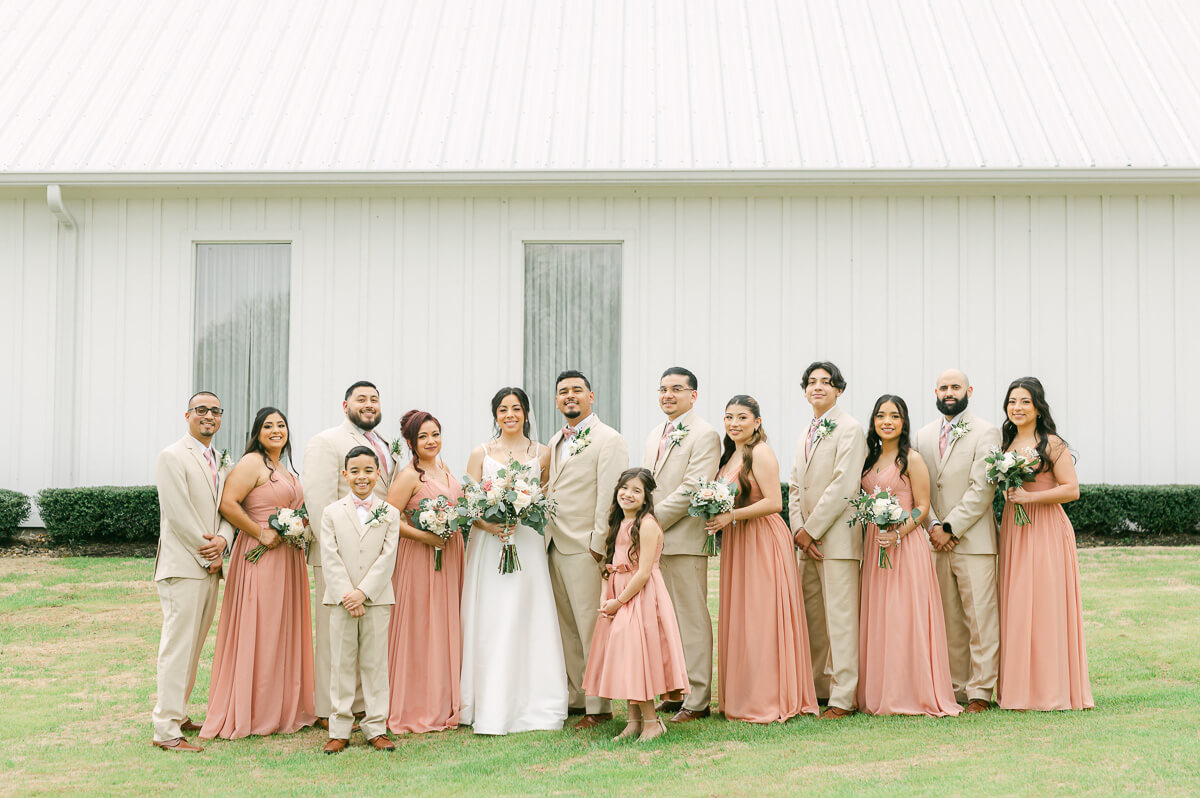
x,y
963,537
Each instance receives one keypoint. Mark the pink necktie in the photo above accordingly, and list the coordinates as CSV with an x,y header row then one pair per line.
x,y
383,461
666,436
944,438
212,466
808,441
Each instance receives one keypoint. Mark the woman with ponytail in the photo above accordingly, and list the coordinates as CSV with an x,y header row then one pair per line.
x,y
764,667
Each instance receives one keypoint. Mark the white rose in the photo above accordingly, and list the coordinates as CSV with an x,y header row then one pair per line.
x,y
428,519
523,501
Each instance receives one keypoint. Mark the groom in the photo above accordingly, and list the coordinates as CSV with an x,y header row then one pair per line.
x,y
964,539
192,539
323,485
586,459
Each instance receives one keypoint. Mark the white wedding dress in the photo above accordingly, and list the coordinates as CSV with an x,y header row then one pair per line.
x,y
514,678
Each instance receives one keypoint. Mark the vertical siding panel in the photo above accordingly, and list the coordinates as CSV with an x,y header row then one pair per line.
x,y
1123,424
589,213
1048,280
1157,353
318,305
907,344
210,214
451,258
699,289
730,261
874,324
244,215
277,215
1014,289
976,331
487,260
835,304
767,306
1187,333
1084,374
556,213
803,262
13,302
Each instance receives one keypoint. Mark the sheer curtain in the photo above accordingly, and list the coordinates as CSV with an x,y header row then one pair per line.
x,y
573,321
242,309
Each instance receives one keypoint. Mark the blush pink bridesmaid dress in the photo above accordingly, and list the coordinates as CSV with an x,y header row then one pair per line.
x,y
262,675
1043,654
764,668
424,632
636,654
903,662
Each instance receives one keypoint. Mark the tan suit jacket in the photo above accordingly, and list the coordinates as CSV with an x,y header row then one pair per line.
x,y
958,488
355,556
188,506
821,485
324,458
583,485
681,466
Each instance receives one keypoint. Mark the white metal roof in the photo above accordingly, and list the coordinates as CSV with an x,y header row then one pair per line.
x,y
255,89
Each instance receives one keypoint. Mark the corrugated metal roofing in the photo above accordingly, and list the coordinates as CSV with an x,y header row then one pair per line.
x,y
385,86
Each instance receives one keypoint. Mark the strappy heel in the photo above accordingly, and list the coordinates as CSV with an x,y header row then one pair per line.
x,y
656,725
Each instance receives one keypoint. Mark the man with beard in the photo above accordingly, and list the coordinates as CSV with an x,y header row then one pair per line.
x,y
586,458
323,485
963,537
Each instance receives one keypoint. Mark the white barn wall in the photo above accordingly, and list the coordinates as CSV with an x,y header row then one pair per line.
x,y
1094,292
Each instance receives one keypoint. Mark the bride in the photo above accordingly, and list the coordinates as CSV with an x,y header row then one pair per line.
x,y
514,677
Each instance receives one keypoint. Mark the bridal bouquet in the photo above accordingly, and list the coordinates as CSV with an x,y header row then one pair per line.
x,y
514,496
439,517
1012,470
292,526
710,498
883,510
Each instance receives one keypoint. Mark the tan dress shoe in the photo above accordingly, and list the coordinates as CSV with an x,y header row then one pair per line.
x,y
978,705
335,745
178,745
836,713
591,721
381,743
322,723
189,725
688,715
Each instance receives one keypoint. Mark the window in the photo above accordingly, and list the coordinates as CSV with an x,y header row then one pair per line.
x,y
242,312
573,321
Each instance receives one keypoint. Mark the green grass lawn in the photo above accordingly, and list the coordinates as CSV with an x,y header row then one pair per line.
x,y
78,639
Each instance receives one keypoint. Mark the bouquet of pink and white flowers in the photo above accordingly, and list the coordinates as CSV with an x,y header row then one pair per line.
x,y
514,496
883,510
710,498
439,517
292,526
1012,470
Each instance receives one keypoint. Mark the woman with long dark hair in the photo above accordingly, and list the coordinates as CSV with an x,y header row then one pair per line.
x,y
1043,654
903,662
424,633
764,667
262,674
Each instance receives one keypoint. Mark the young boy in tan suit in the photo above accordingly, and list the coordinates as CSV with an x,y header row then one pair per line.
x,y
359,533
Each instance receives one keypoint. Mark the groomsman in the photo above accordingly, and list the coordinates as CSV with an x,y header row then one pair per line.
x,y
679,452
192,540
826,472
323,485
586,458
963,537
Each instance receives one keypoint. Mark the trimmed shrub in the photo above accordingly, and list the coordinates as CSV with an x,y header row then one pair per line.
x,y
14,509
78,515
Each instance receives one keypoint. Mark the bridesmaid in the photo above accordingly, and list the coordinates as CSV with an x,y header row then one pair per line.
x,y
424,635
262,675
903,663
764,667
1043,655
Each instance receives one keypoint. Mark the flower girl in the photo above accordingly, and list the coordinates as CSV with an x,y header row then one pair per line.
x,y
636,651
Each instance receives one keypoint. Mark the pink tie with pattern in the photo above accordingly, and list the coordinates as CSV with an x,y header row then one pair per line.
x,y
944,438
812,428
383,461
212,466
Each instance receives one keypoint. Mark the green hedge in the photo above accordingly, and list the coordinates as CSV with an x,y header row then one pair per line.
x,y
78,515
14,509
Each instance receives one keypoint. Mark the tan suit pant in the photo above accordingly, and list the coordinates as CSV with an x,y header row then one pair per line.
x,y
577,588
686,577
972,611
187,606
321,704
831,590
359,646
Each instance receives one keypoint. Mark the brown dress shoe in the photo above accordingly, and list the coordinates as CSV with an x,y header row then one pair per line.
x,y
688,715
576,711
590,721
669,707
381,743
979,705
335,745
178,745
835,713
189,725
322,723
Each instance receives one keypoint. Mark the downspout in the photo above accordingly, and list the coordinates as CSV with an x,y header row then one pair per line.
x,y
65,465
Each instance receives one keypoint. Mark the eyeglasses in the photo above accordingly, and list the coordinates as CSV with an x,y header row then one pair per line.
x,y
675,389
202,410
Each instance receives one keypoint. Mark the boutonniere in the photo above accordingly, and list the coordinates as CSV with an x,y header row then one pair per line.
x,y
960,428
397,448
377,516
581,441
224,460
824,430
677,435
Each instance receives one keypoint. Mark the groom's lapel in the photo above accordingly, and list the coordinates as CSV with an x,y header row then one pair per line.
x,y
555,463
949,445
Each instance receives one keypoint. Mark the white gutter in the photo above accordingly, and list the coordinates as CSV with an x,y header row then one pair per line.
x,y
65,467
54,199
608,177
